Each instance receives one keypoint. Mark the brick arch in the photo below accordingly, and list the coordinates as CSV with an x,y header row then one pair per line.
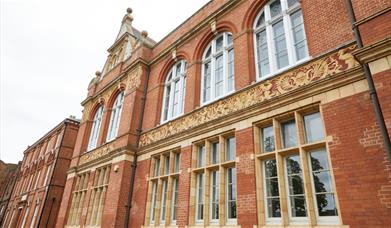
x,y
252,13
180,55
99,103
208,36
113,96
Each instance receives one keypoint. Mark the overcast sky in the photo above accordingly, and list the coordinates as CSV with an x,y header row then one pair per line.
x,y
50,50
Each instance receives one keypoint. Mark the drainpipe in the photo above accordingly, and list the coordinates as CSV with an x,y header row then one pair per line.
x,y
372,89
128,206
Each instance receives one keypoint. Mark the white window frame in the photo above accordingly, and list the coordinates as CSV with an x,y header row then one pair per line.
x,y
154,203
171,81
295,220
212,60
175,193
285,16
200,221
115,117
95,129
217,186
270,220
163,206
231,221
323,220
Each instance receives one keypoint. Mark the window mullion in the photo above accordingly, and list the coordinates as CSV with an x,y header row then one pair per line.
x,y
171,100
289,39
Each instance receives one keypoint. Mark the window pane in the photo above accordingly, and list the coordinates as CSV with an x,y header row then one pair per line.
x,y
298,35
322,182
230,149
298,208
157,167
280,45
207,82
219,77
231,197
176,100
295,186
268,139
153,206
200,197
167,102
272,193
289,136
263,54
261,20
164,201
273,207
219,43
215,152
175,200
319,160
214,195
166,165
177,161
275,8
229,39
201,156
313,127
292,2
326,205
208,52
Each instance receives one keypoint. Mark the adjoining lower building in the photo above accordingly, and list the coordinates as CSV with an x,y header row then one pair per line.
x,y
8,176
37,195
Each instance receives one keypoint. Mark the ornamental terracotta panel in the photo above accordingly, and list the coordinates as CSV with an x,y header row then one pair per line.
x,y
316,70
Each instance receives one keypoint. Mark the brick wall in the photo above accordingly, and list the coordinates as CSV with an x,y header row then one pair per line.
x,y
361,169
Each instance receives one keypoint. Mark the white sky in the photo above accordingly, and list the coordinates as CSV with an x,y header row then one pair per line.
x,y
50,50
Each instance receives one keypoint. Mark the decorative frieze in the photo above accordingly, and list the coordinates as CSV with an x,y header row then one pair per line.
x,y
316,70
97,153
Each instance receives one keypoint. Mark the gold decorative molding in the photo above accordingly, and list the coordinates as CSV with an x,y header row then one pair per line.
x,y
316,70
97,153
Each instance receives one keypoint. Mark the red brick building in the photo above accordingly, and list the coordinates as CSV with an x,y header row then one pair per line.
x,y
251,113
37,194
9,173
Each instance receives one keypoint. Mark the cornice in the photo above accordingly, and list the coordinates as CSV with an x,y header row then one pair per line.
x,y
374,51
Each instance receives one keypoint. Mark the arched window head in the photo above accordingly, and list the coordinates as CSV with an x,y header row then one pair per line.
x,y
174,91
115,117
280,40
95,129
218,69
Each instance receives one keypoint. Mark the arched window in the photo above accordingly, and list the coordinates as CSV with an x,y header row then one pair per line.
x,y
174,91
115,117
95,129
280,40
218,69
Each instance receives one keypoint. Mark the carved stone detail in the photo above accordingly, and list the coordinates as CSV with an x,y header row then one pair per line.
x,y
89,156
316,70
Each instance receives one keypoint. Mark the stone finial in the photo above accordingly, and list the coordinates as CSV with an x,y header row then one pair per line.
x,y
98,73
144,34
128,15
